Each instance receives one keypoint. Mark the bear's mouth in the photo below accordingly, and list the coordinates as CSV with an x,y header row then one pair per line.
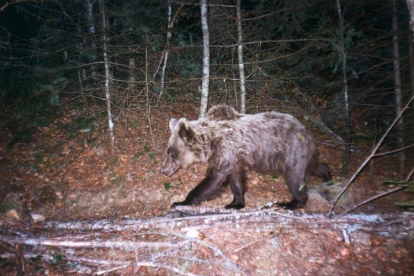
x,y
169,171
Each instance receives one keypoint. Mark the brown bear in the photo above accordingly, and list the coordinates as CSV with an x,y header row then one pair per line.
x,y
232,143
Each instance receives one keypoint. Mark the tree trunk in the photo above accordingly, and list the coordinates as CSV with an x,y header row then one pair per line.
x,y
241,63
107,77
348,128
397,84
85,101
91,32
167,51
206,59
410,4
411,58
131,66
148,98
81,72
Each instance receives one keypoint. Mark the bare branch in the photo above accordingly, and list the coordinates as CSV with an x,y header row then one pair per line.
x,y
410,174
89,244
393,151
335,201
372,199
208,5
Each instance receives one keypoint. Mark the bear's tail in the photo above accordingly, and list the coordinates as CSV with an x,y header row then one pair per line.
x,y
315,167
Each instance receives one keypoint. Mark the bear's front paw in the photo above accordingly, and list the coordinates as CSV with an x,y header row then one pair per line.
x,y
234,206
291,205
180,203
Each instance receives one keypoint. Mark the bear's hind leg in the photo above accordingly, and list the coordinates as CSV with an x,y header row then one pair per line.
x,y
295,179
237,185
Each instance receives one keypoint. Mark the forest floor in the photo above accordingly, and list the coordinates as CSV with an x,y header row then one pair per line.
x,y
64,174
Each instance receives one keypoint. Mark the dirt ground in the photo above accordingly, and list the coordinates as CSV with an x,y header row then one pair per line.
x,y
64,174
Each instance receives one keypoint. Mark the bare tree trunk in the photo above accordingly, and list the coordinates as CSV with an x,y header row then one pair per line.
x,y
107,77
131,66
206,59
85,101
348,128
410,4
234,78
241,63
167,51
148,99
397,84
81,72
91,31
411,57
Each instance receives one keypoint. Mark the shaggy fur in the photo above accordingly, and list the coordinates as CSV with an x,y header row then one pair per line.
x,y
232,143
222,112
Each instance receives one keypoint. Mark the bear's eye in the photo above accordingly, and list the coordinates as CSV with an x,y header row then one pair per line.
x,y
172,152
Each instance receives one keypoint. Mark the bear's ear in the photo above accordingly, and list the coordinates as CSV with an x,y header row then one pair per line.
x,y
173,123
185,132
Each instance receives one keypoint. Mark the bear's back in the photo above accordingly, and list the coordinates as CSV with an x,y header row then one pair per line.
x,y
222,112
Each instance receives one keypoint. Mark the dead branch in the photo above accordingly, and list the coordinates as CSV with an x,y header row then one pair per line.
x,y
410,174
9,3
158,242
260,219
167,267
253,242
74,258
217,252
335,201
378,196
393,151
372,199
88,244
112,269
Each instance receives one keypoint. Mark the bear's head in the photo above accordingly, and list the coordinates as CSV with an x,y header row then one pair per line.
x,y
184,147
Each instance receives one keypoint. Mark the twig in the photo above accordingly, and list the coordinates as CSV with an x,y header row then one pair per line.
x,y
216,250
167,267
112,269
335,201
378,196
393,151
14,2
253,242
372,199
410,175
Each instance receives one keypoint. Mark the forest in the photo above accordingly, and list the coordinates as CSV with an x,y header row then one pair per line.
x,y
87,91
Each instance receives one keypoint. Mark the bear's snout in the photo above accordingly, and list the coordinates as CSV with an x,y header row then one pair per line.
x,y
168,170
163,171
